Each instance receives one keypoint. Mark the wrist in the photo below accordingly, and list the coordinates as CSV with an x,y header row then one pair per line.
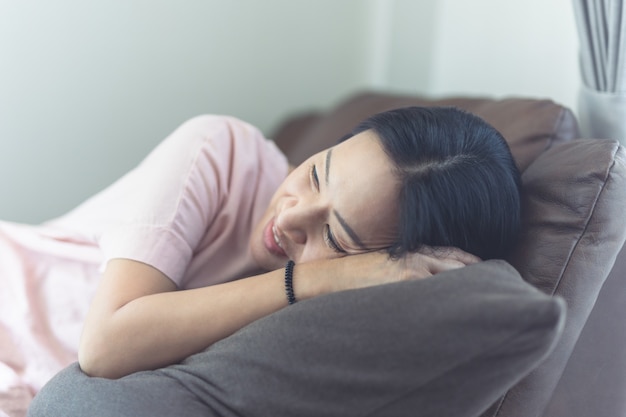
x,y
311,279
289,292
319,277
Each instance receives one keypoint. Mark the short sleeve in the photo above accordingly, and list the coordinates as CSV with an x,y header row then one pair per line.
x,y
168,203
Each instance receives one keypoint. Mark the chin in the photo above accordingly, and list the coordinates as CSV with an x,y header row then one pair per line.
x,y
269,264
263,258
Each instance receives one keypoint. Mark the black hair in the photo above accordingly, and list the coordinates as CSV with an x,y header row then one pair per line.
x,y
459,185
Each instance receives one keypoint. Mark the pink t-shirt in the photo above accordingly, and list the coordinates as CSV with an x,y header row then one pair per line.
x,y
188,209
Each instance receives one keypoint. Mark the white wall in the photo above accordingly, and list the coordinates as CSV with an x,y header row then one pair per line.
x,y
480,47
505,48
88,88
414,39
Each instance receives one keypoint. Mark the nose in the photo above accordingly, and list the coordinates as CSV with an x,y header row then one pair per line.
x,y
297,219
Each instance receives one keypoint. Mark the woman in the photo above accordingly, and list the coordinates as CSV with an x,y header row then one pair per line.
x,y
194,242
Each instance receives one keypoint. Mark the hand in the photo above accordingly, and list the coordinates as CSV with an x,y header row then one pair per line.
x,y
429,261
375,268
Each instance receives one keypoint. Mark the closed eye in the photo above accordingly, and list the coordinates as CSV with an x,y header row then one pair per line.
x,y
314,178
330,240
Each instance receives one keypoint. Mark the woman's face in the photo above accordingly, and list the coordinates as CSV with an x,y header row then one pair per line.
x,y
339,202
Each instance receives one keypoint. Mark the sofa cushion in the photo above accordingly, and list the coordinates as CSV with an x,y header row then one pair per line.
x,y
572,230
448,345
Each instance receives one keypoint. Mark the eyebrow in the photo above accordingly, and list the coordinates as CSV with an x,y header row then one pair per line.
x,y
349,230
346,227
328,154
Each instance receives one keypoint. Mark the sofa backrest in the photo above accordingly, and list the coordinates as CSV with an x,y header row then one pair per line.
x,y
530,126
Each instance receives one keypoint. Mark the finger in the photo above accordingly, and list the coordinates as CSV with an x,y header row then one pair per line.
x,y
452,253
447,265
465,257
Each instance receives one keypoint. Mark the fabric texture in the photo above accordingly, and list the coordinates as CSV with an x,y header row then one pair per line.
x,y
601,28
448,345
191,203
602,114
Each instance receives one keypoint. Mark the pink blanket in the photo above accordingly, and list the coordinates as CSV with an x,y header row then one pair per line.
x,y
47,280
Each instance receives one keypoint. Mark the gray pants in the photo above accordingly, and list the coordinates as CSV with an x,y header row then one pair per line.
x,y
449,345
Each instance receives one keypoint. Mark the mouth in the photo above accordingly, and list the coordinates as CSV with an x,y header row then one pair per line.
x,y
271,240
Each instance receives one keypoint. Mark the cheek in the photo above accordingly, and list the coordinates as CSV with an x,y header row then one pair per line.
x,y
295,180
314,252
377,226
385,224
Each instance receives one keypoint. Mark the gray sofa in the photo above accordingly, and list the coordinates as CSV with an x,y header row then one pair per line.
x,y
574,198
533,335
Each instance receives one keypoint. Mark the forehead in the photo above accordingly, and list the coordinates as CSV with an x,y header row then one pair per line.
x,y
364,188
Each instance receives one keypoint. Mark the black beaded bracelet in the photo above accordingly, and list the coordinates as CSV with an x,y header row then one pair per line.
x,y
291,297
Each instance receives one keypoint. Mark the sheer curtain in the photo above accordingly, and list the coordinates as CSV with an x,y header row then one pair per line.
x,y
602,100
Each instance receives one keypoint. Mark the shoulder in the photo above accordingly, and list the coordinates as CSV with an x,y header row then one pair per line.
x,y
212,127
223,138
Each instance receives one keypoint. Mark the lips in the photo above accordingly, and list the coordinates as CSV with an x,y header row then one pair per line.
x,y
271,240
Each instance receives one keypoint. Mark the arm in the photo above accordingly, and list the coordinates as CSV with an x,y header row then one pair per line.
x,y
138,320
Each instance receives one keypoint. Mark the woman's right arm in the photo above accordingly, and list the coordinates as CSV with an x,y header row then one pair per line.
x,y
139,320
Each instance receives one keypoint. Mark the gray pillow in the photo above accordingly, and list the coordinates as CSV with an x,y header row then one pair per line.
x,y
448,345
